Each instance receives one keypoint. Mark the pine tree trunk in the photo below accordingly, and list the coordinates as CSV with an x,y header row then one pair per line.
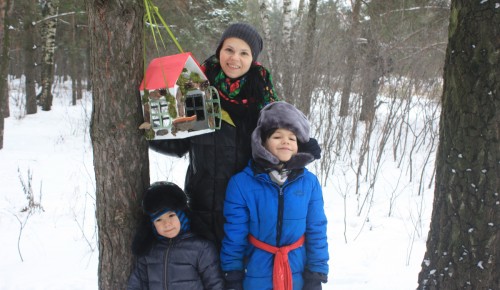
x,y
370,79
463,246
73,64
48,49
4,64
120,150
350,61
307,66
29,56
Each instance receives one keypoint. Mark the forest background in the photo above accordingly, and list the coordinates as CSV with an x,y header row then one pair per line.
x,y
357,69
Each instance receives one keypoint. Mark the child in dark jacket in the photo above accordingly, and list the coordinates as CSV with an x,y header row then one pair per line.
x,y
169,255
275,230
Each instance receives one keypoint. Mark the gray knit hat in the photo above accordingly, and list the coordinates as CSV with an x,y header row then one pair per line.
x,y
246,33
280,115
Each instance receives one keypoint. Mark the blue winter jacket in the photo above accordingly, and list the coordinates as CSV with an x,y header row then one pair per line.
x,y
276,215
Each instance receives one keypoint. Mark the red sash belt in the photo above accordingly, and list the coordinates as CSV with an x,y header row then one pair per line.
x,y
282,275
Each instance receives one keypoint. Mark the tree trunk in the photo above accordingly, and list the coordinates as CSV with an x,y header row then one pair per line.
x,y
29,56
286,52
372,72
351,60
4,40
264,15
120,150
306,88
463,246
73,63
48,49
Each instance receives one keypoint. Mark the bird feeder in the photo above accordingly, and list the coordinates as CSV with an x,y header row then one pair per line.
x,y
177,99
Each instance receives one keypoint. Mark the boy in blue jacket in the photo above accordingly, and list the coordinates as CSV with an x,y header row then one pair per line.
x,y
275,229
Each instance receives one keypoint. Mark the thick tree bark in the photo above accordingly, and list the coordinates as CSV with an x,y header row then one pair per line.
x,y
463,246
120,150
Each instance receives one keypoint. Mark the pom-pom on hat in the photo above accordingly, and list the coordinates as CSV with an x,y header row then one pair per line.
x,y
246,33
164,196
285,116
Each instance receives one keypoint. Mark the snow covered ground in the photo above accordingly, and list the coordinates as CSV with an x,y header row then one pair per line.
x,y
53,244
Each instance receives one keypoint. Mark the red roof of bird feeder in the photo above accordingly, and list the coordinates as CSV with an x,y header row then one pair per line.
x,y
163,72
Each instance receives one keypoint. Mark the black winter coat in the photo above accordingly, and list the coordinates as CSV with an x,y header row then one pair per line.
x,y
213,159
185,262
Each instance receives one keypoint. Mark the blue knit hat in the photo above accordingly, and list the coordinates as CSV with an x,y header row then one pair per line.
x,y
246,33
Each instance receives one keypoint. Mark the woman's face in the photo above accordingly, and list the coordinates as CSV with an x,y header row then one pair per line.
x,y
235,57
282,144
168,225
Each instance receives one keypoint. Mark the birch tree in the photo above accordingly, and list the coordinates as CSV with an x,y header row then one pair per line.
x,y
49,10
287,52
264,15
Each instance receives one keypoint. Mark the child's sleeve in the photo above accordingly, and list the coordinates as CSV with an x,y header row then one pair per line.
x,y
209,268
236,231
316,228
139,278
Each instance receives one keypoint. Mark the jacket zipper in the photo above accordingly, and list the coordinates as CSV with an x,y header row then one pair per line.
x,y
166,264
281,204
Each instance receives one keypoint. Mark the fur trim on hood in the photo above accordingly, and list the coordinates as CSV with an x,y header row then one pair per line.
x,y
286,116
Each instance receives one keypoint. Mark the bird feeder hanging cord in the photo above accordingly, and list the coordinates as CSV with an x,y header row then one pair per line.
x,y
151,18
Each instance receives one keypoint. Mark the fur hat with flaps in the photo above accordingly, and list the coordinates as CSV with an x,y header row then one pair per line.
x,y
158,199
285,116
163,195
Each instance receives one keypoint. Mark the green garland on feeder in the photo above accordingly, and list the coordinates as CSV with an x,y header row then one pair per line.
x,y
195,77
149,134
183,82
145,97
171,106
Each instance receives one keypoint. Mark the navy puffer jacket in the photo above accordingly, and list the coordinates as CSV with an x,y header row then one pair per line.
x,y
185,262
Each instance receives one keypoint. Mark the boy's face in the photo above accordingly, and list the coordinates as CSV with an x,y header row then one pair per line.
x,y
168,225
282,144
235,57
